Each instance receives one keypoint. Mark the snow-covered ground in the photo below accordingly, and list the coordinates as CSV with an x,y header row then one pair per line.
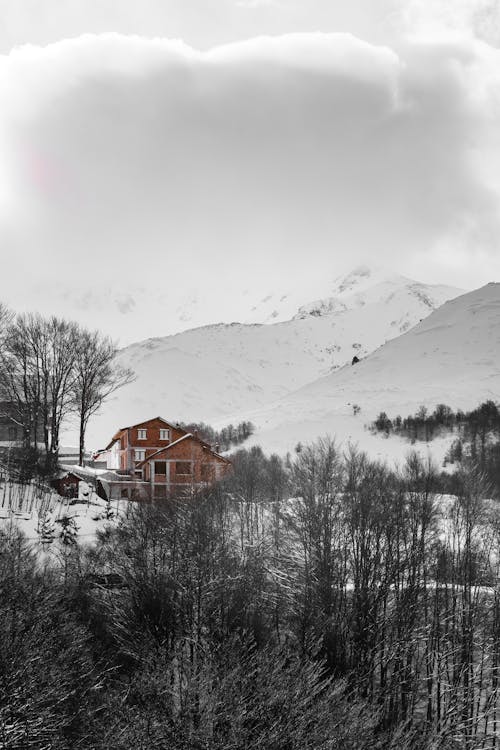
x,y
42,516
452,357
219,372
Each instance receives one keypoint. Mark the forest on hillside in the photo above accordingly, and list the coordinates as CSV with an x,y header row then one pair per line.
x,y
319,602
476,434
224,439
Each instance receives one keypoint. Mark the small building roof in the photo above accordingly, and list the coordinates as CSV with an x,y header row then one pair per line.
x,y
86,473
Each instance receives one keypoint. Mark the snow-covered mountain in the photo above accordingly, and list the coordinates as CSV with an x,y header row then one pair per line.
x,y
452,357
218,371
366,286
330,294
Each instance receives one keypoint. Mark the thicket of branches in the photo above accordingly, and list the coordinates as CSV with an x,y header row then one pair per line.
x,y
364,613
225,438
50,370
474,426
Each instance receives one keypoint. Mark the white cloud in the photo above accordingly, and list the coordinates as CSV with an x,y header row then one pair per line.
x,y
145,163
258,3
207,23
477,18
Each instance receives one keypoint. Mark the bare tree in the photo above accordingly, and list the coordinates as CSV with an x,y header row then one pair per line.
x,y
96,377
20,376
59,359
50,367
37,372
6,316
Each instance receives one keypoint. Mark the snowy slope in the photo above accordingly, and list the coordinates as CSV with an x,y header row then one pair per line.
x,y
90,515
211,372
452,357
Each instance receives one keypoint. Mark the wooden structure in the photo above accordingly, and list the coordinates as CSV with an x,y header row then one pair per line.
x,y
159,459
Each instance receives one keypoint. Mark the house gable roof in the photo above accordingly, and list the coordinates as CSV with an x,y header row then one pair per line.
x,y
187,436
117,434
165,448
147,421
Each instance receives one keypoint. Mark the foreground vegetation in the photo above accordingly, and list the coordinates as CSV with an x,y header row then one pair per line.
x,y
364,613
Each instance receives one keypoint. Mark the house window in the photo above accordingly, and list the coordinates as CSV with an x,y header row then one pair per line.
x,y
183,468
139,454
164,434
142,434
160,467
138,473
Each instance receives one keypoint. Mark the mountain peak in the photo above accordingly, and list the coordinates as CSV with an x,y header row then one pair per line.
x,y
361,274
367,285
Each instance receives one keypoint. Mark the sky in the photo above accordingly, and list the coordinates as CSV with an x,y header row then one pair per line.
x,y
169,163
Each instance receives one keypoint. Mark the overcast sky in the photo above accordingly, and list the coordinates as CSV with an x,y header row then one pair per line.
x,y
169,160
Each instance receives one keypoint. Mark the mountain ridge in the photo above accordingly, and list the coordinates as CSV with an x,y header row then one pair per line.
x,y
214,371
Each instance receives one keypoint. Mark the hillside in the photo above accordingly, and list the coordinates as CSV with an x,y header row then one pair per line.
x,y
217,371
453,356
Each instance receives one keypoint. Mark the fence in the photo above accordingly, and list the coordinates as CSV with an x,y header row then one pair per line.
x,y
27,498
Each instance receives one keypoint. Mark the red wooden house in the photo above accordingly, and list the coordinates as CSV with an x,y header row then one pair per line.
x,y
160,458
